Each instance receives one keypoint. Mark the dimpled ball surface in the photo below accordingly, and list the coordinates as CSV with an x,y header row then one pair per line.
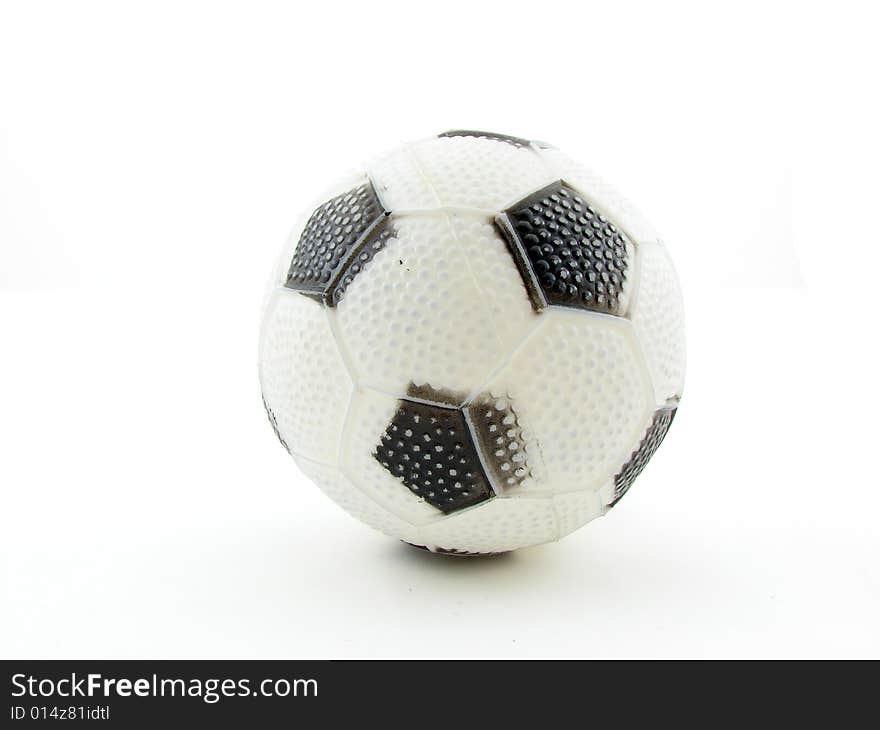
x,y
474,345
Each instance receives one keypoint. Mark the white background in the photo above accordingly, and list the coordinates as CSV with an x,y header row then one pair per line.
x,y
152,159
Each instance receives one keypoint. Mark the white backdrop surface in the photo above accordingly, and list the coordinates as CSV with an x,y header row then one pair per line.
x,y
154,156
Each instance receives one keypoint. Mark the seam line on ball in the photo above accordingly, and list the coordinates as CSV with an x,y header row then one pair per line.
x,y
417,165
505,361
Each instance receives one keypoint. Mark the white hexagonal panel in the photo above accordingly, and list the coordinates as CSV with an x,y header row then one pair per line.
x,y
576,509
503,293
303,377
582,396
399,182
475,172
658,318
494,526
416,316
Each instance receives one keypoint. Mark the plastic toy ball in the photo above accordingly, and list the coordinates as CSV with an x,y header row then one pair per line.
x,y
474,346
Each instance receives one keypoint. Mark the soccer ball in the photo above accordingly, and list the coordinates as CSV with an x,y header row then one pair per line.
x,y
474,346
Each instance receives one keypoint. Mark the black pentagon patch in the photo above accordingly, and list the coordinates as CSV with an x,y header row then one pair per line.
x,y
451,551
333,237
642,455
429,448
496,428
515,141
568,253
